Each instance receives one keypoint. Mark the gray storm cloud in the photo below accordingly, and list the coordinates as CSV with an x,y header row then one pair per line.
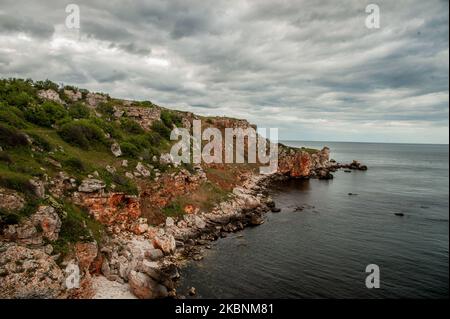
x,y
311,68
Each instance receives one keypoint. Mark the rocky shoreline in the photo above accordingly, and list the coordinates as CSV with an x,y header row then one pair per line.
x,y
137,260
246,208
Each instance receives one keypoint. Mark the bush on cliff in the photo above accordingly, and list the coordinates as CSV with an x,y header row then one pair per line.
x,y
79,111
129,149
46,114
46,85
12,116
17,92
77,225
131,126
82,133
170,118
160,128
106,108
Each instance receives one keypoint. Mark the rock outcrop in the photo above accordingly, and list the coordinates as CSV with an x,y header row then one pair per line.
x,y
11,200
50,95
28,273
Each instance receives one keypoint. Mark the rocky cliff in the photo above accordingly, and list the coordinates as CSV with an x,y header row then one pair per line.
x,y
92,205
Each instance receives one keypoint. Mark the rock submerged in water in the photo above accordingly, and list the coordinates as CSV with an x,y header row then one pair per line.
x,y
256,220
192,291
399,214
275,209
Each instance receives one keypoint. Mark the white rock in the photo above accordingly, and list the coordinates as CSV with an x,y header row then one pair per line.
x,y
140,168
116,150
90,185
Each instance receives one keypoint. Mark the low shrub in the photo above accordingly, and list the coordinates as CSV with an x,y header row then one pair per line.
x,y
82,133
173,209
170,118
10,115
108,127
41,142
106,108
79,111
124,184
5,158
75,164
129,149
160,128
131,126
46,114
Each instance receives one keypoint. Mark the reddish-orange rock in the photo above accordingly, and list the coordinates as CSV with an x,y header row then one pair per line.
x,y
86,254
116,209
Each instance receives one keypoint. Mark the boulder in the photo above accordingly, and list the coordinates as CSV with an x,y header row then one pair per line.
x,y
166,158
154,254
24,233
144,287
142,170
170,222
165,242
110,169
116,150
38,187
199,222
47,219
256,220
90,185
11,200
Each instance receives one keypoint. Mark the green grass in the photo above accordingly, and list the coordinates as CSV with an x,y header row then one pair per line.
x,y
77,226
174,209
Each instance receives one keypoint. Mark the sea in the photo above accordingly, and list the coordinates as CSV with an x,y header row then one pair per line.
x,y
322,242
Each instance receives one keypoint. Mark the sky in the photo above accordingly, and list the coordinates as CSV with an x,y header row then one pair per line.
x,y
313,69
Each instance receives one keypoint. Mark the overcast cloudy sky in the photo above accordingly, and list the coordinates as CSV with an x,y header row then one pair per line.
x,y
311,68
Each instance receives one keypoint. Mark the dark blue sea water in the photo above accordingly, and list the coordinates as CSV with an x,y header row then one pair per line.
x,y
322,251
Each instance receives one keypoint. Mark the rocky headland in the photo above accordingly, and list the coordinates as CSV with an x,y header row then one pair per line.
x,y
119,221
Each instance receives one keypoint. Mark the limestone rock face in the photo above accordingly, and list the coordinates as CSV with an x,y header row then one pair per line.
x,y
86,254
45,223
298,163
50,95
73,95
295,164
23,233
144,116
94,99
11,200
48,220
114,209
28,273
90,185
